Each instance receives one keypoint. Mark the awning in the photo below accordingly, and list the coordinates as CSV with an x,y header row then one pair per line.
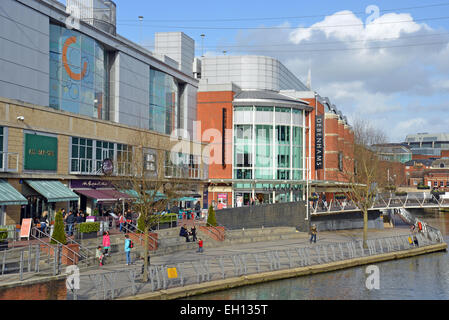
x,y
53,191
10,196
104,195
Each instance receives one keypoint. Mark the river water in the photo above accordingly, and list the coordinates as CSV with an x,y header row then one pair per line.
x,y
424,277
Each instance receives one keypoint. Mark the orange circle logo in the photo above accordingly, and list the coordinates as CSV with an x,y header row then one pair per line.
x,y
73,75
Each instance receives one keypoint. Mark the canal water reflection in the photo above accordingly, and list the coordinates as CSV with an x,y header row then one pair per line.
x,y
424,277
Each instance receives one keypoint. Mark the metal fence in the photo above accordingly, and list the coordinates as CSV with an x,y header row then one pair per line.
x,y
113,284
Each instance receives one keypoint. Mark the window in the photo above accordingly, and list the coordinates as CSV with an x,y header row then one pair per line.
x,y
82,156
150,162
104,150
181,165
164,101
340,161
124,159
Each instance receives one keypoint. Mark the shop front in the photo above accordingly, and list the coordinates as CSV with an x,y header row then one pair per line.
x,y
45,195
98,197
9,197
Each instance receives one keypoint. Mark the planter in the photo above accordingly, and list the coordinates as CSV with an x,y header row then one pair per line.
x,y
88,235
3,245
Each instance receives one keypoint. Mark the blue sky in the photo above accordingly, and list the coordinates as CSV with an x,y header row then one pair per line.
x,y
376,69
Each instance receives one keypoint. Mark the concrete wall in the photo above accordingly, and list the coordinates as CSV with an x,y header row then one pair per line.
x,y
290,214
347,220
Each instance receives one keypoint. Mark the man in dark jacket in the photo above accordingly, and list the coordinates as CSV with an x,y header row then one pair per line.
x,y
184,233
70,220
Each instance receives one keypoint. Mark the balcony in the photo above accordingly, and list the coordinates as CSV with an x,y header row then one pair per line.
x,y
9,162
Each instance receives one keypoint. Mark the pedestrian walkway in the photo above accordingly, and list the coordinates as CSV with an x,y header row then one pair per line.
x,y
112,281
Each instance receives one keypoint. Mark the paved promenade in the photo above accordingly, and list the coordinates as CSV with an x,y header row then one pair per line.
x,y
225,263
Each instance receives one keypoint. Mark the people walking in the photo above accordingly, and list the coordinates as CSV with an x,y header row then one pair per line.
x,y
313,232
99,255
44,221
193,233
70,220
200,245
106,243
122,222
128,246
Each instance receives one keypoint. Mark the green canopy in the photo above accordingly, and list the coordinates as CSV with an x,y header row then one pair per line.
x,y
10,196
187,199
135,194
53,190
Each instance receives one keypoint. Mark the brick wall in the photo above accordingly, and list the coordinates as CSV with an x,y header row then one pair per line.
x,y
45,290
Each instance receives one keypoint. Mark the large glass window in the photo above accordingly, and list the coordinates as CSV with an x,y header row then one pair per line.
x,y
78,73
104,150
163,101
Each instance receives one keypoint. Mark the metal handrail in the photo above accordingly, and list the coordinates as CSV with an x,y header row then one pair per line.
x,y
140,234
57,242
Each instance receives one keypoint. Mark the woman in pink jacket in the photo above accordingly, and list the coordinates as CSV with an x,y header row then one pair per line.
x,y
106,243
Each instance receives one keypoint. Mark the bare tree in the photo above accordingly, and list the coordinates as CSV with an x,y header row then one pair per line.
x,y
146,181
363,170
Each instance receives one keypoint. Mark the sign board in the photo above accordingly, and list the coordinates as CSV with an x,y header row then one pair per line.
x,y
172,273
223,200
25,228
107,166
319,141
41,152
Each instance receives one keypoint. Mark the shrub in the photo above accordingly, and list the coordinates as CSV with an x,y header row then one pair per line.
x,y
87,227
211,217
59,232
400,193
141,224
340,196
3,234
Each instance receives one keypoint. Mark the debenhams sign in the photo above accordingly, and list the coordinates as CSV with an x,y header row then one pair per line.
x,y
319,141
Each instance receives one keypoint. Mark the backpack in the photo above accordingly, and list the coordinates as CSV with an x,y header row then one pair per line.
x,y
131,244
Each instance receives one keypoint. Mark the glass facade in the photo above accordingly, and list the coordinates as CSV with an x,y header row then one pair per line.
x,y
268,151
268,145
164,101
78,73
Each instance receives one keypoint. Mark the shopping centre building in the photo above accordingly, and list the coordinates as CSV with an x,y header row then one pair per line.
x,y
271,137
80,104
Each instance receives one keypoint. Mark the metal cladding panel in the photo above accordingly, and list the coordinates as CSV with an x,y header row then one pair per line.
x,y
24,54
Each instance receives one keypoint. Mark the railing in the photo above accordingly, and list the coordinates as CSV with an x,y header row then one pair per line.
x,y
381,202
141,234
124,282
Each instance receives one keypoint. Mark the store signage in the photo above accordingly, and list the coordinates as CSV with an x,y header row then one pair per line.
x,y
90,184
319,141
107,166
41,152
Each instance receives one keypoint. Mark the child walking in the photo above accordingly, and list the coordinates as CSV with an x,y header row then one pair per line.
x,y
200,245
99,255
106,243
